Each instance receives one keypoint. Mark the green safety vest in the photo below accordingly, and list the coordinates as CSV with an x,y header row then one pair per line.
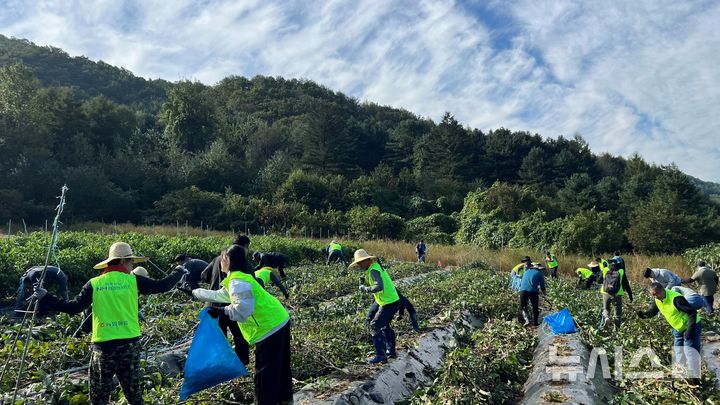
x,y
115,307
389,294
264,275
676,318
336,246
584,273
552,263
604,271
519,269
269,313
604,266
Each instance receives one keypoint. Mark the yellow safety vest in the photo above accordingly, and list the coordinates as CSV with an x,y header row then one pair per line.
x,y
114,307
604,271
269,313
389,294
264,275
585,273
676,318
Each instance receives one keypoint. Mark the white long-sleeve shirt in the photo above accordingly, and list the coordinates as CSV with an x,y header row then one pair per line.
x,y
665,277
241,293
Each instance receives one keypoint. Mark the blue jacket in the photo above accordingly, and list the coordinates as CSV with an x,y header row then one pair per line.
x,y
532,280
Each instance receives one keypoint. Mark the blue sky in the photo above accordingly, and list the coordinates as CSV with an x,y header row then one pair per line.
x,y
629,76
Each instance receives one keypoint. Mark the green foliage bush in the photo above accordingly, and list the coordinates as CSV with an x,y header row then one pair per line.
x,y
79,251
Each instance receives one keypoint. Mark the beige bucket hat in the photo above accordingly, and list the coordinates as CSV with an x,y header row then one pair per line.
x,y
360,255
120,250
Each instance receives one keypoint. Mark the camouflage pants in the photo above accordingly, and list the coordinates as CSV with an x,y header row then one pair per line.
x,y
124,362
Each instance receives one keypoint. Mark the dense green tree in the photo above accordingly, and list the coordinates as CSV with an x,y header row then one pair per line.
x,y
188,117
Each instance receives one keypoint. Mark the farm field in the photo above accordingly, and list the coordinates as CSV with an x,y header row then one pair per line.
x,y
488,362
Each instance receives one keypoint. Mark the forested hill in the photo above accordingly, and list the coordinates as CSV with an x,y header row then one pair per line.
x,y
54,67
283,155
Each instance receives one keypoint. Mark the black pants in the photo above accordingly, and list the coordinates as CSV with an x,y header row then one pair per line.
x,y
242,349
273,377
405,304
587,283
336,256
553,272
380,323
710,300
534,298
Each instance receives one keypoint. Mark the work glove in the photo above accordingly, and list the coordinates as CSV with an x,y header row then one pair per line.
x,y
364,288
39,293
215,311
182,270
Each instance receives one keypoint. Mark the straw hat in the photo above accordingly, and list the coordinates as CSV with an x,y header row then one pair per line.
x,y
141,271
360,255
592,264
119,250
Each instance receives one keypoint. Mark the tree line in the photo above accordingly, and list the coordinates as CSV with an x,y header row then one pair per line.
x,y
281,155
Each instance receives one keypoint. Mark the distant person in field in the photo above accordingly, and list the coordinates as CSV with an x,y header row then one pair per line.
x,y
707,280
266,277
273,260
421,251
594,267
116,325
213,275
685,322
335,253
586,277
54,278
531,285
516,275
667,278
552,264
194,267
388,302
618,259
615,286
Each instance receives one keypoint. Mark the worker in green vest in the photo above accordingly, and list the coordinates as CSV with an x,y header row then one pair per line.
x,y
516,274
266,276
552,264
263,321
613,289
586,278
335,253
115,324
386,296
685,322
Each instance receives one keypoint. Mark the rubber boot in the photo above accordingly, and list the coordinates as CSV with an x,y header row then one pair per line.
x,y
379,343
390,340
414,322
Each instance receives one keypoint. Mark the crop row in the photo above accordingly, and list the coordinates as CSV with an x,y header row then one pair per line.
x,y
79,251
634,334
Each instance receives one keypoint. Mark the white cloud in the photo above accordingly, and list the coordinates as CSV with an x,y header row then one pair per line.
x,y
629,76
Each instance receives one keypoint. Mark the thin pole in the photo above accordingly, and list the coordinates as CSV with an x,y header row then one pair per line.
x,y
51,248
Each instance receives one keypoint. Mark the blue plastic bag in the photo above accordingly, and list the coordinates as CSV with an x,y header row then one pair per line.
x,y
561,322
211,360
